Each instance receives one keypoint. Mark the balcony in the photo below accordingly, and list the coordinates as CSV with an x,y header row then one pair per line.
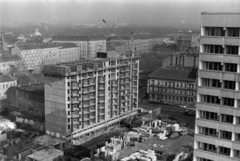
x,y
86,98
75,109
75,94
101,101
101,94
74,115
101,81
101,107
73,79
86,91
92,116
75,122
74,87
74,101
101,87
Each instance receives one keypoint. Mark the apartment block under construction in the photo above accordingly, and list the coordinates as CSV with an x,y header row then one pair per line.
x,y
84,99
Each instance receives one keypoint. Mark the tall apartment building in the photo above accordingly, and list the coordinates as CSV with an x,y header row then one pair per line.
x,y
217,128
89,45
84,98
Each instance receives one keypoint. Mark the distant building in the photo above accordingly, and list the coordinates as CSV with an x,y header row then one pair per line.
x,y
186,59
186,40
9,63
9,42
27,97
35,56
166,50
89,45
84,99
173,85
6,81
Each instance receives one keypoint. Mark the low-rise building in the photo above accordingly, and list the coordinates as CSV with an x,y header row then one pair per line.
x,y
173,85
46,154
6,81
9,63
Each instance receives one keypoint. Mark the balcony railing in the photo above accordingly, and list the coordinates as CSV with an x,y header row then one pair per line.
x,y
74,115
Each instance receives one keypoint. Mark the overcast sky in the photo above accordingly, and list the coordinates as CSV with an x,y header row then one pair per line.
x,y
162,12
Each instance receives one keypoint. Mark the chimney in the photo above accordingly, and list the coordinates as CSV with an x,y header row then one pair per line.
x,y
183,63
171,63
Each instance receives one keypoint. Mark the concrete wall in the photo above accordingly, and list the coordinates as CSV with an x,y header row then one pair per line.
x,y
56,105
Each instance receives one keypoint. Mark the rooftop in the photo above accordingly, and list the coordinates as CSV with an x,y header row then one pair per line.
x,y
37,46
45,153
175,73
11,40
47,140
67,45
222,13
32,87
6,78
9,58
76,38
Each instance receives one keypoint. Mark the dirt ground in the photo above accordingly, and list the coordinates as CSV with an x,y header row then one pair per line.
x,y
169,146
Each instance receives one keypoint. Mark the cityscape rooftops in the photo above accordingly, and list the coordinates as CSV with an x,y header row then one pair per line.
x,y
175,73
76,38
6,78
9,58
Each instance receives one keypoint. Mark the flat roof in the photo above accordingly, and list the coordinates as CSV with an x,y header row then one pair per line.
x,y
46,140
6,78
77,38
45,153
32,87
37,46
175,73
222,13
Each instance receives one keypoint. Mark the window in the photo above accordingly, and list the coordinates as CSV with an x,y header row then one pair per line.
x,y
226,135
229,85
228,101
232,50
210,99
211,83
237,153
213,49
233,32
208,131
203,159
227,118
224,151
214,31
229,67
207,147
69,127
237,137
209,115
238,121
212,66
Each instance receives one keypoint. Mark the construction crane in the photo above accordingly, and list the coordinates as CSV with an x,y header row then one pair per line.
x,y
132,47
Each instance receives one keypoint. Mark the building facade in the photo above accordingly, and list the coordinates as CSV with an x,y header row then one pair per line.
x,y
173,85
35,56
217,127
89,45
9,63
6,81
85,98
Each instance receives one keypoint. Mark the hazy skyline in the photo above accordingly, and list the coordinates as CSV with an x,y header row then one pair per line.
x,y
161,12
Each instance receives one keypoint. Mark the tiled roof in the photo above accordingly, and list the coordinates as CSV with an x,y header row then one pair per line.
x,y
67,45
37,46
6,78
76,38
10,58
175,73
11,40
110,47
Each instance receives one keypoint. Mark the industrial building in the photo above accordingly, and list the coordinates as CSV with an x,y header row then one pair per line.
x,y
173,85
84,99
217,128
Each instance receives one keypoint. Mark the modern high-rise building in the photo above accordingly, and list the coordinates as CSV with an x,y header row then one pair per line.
x,y
217,128
84,99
